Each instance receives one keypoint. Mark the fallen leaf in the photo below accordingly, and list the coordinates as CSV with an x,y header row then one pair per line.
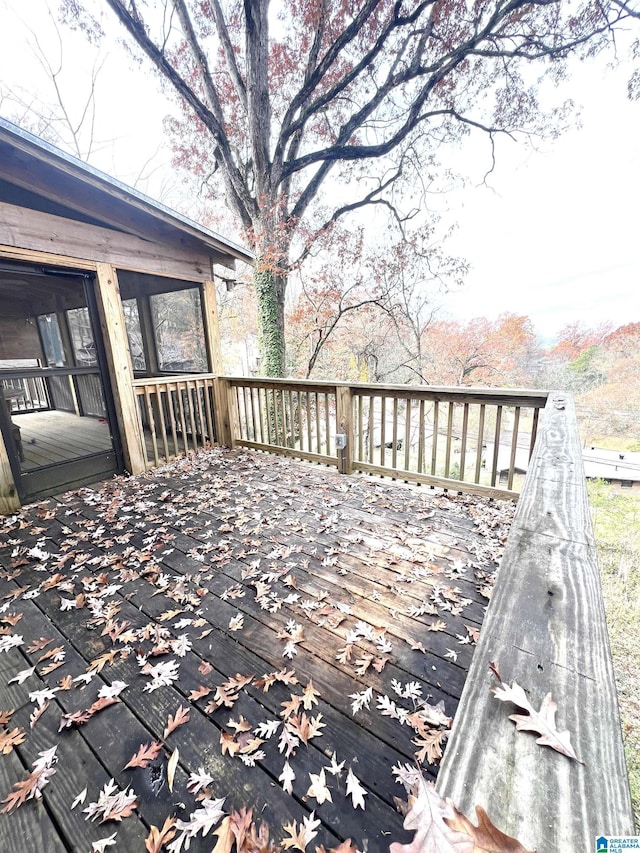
x,y
145,755
171,768
159,837
487,838
355,790
318,788
542,722
10,739
299,838
287,777
181,717
33,783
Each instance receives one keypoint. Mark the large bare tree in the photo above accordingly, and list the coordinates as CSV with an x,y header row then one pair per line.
x,y
277,97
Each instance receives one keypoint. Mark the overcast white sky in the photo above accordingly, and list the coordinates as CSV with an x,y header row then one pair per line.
x,y
556,237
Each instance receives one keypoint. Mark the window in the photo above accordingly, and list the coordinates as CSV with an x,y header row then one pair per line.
x,y
626,484
84,348
179,331
51,340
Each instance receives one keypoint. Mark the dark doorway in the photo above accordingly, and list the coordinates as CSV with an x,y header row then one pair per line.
x,y
56,405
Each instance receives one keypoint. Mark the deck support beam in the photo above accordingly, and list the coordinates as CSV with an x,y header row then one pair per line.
x,y
114,335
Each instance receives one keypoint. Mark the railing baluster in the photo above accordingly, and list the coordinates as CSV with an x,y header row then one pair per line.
x,y
434,439
394,444
463,439
370,427
496,445
207,392
407,434
421,437
163,426
268,408
183,423
514,446
172,421
383,401
534,431
300,431
308,413
447,453
291,420
200,413
317,422
480,446
152,425
327,425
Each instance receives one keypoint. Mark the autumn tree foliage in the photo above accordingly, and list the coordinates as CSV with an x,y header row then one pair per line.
x,y
277,99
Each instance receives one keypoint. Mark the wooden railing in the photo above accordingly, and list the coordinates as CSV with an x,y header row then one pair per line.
x,y
473,440
545,629
176,414
77,390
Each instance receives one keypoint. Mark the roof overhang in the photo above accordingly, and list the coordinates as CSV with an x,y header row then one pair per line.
x,y
39,167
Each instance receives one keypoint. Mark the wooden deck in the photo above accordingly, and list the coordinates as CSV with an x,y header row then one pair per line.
x,y
305,586
50,437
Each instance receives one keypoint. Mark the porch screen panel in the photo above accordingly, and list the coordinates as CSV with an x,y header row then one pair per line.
x,y
179,331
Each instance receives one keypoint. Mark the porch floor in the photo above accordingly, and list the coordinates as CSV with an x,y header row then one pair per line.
x,y
49,437
284,606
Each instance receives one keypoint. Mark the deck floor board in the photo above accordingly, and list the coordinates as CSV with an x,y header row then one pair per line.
x,y
271,543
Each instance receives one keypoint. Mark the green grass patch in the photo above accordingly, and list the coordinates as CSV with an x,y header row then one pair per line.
x,y
616,519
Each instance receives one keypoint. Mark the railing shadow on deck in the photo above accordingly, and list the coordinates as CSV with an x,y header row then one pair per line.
x,y
545,629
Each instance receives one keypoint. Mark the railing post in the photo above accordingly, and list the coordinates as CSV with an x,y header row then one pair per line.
x,y
9,500
344,425
222,413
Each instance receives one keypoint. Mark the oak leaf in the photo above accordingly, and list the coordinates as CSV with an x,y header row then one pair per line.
x,y
542,722
181,717
299,838
487,838
355,790
158,837
10,739
147,753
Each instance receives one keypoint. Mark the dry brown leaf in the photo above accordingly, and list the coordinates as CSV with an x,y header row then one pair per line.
x,y
542,722
10,739
78,718
487,838
171,768
5,717
145,755
38,645
181,717
225,835
158,837
199,693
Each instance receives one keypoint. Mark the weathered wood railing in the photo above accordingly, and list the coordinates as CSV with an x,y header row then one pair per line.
x,y
474,440
545,629
176,414
77,390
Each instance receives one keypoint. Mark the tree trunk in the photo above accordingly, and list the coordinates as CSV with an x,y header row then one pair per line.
x,y
270,290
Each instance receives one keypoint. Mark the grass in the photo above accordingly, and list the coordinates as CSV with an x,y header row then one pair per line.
x,y
616,519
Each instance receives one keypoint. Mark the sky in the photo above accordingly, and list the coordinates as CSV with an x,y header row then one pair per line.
x,y
553,234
